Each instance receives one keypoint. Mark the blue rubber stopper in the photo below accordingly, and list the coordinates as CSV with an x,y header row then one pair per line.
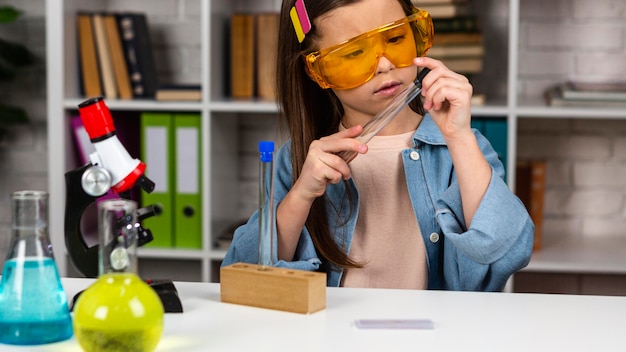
x,y
266,150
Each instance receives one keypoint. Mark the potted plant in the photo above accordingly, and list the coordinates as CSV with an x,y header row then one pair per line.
x,y
13,56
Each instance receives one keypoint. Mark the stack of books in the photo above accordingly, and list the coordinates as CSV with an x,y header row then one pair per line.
x,y
444,8
253,50
458,41
116,58
587,94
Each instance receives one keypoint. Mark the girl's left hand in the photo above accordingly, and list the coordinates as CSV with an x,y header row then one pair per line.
x,y
447,97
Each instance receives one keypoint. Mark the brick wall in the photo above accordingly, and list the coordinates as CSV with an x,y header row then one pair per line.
x,y
570,39
586,183
23,155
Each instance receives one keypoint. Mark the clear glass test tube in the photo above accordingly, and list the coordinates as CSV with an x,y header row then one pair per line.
x,y
388,113
266,204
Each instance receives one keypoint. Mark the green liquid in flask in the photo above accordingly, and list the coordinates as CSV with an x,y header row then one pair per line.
x,y
119,312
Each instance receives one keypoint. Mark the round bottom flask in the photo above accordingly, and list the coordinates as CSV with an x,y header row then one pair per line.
x,y
119,312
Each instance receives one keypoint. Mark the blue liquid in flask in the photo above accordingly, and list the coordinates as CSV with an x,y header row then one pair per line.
x,y
33,304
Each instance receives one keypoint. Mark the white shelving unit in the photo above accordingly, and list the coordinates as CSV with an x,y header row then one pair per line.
x,y
220,115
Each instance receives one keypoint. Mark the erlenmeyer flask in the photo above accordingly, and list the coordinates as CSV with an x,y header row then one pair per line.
x,y
33,304
119,312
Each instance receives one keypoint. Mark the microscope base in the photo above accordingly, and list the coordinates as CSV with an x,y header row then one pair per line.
x,y
166,291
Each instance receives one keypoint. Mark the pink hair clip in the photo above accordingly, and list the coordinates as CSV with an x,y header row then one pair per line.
x,y
300,19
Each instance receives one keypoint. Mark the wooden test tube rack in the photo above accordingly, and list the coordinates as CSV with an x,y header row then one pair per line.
x,y
289,290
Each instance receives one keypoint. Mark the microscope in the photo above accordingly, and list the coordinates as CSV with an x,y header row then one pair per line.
x,y
110,168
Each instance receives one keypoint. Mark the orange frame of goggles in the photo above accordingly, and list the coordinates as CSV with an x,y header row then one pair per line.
x,y
353,62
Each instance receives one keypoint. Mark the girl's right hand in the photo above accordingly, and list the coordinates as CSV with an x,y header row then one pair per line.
x,y
322,164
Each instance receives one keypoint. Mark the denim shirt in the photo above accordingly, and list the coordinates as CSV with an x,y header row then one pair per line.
x,y
482,258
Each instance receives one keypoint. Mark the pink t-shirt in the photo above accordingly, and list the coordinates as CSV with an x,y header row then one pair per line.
x,y
387,237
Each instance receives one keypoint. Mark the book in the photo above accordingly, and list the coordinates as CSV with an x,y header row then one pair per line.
x,y
117,57
419,3
602,91
554,97
181,92
88,60
478,99
266,51
242,55
465,65
465,24
83,144
446,10
530,185
138,53
457,38
104,57
225,238
456,50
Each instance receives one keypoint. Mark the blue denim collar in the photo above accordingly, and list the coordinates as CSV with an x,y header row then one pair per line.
x,y
428,132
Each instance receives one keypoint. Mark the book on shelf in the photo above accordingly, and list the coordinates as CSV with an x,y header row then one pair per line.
x,y
465,38
242,55
115,55
138,52
424,2
463,24
253,49
456,50
445,10
266,52
104,57
179,92
530,185
554,97
225,238
602,91
478,99
87,58
120,68
495,130
464,65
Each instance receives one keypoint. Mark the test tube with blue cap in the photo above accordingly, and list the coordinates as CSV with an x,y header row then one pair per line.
x,y
266,204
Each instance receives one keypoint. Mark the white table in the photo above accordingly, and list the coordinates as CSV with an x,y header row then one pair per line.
x,y
463,321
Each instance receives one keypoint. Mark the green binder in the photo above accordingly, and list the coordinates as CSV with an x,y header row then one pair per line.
x,y
157,153
188,181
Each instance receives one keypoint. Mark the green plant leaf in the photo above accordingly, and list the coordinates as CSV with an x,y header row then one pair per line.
x,y
12,56
16,54
8,14
7,71
11,115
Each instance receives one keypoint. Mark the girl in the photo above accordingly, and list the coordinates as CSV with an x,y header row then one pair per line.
x,y
423,205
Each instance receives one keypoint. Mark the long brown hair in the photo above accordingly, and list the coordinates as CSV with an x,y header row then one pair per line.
x,y
310,112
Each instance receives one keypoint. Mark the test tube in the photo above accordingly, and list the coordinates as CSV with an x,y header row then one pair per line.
x,y
266,204
388,113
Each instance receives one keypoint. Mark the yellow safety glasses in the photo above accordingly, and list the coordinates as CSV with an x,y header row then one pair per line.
x,y
353,62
